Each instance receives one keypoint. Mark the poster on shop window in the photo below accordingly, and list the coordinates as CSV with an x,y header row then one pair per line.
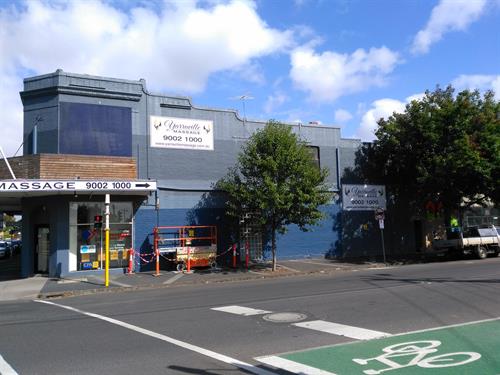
x,y
181,133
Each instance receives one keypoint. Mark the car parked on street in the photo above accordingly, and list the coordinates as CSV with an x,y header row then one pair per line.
x,y
16,247
5,250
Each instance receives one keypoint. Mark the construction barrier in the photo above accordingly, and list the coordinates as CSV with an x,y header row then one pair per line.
x,y
186,250
130,262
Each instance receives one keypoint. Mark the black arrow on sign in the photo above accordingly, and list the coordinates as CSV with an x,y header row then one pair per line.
x,y
146,185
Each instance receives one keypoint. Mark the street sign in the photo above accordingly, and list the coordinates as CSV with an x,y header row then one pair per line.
x,y
381,223
379,214
76,185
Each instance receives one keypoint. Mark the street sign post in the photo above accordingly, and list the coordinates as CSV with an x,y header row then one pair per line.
x,y
380,216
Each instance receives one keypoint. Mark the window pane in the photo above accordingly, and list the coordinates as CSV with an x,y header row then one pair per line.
x,y
314,151
87,242
90,129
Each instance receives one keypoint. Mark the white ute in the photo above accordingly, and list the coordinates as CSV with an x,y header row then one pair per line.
x,y
477,241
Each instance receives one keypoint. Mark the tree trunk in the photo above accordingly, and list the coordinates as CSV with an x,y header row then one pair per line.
x,y
273,245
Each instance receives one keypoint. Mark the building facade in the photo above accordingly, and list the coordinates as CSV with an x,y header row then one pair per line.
x,y
88,128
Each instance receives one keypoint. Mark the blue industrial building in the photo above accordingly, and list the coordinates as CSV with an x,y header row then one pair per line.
x,y
85,128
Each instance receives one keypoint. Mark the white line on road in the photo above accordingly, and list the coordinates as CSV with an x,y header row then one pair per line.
x,y
291,366
173,278
182,344
342,330
288,268
72,281
98,280
241,310
120,284
319,263
5,368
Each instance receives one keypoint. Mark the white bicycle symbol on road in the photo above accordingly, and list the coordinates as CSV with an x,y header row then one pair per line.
x,y
418,352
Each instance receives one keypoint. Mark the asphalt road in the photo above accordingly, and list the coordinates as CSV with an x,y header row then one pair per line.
x,y
176,330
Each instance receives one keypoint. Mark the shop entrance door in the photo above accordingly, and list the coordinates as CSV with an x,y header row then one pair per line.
x,y
42,249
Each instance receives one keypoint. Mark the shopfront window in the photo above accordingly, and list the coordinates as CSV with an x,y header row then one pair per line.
x,y
87,239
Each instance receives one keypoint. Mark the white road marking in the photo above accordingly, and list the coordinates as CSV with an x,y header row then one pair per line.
x,y
182,344
72,281
291,366
288,268
241,310
319,263
448,326
98,280
5,368
173,278
120,284
342,330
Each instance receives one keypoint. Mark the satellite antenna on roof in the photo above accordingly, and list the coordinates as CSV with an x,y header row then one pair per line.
x,y
243,98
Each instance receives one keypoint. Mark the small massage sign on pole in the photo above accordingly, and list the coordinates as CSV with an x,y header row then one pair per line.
x,y
181,133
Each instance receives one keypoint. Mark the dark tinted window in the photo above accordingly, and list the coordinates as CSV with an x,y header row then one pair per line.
x,y
314,151
89,129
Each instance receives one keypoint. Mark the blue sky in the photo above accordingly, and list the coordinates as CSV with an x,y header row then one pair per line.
x,y
342,63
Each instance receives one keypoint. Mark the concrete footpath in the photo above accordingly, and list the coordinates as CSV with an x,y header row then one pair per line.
x,y
45,287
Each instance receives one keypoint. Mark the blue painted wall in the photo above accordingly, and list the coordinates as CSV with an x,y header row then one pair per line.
x,y
319,241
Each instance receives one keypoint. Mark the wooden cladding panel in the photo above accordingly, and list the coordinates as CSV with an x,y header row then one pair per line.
x,y
57,166
23,167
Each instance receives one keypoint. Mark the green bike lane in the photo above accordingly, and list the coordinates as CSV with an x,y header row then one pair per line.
x,y
471,348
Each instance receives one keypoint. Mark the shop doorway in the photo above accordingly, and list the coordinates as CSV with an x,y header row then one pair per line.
x,y
42,249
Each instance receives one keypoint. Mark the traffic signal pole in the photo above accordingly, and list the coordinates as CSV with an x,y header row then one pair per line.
x,y
106,241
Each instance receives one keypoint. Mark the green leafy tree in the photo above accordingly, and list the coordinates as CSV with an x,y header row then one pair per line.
x,y
443,148
276,177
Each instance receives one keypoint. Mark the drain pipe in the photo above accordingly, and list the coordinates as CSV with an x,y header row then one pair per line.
x,y
8,165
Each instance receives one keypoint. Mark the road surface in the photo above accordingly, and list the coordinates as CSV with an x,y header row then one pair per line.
x,y
261,326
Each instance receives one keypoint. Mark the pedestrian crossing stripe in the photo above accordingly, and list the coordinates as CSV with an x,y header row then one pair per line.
x,y
291,366
342,330
240,310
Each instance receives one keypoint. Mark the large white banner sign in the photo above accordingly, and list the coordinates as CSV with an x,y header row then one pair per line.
x,y
363,197
183,133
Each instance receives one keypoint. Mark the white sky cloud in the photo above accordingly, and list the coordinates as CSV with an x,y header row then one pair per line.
x,y
478,81
342,116
175,49
447,16
275,101
327,76
382,108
